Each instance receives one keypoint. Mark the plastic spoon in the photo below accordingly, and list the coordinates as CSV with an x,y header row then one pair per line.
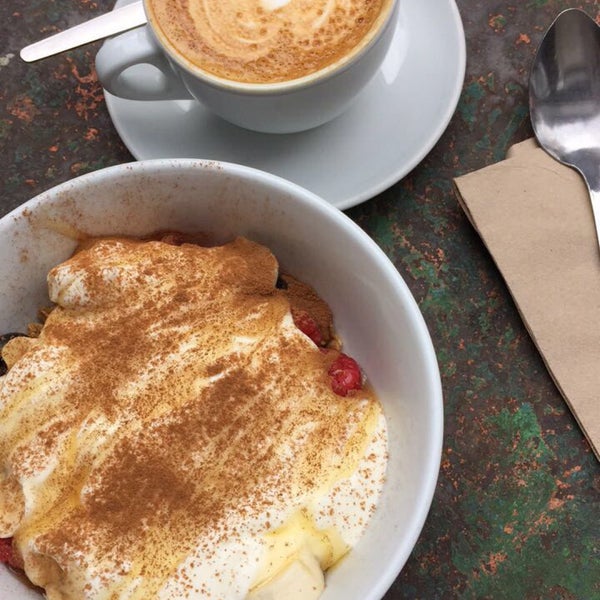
x,y
116,21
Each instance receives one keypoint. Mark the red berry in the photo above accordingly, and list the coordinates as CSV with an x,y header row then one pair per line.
x,y
7,556
345,375
308,326
174,238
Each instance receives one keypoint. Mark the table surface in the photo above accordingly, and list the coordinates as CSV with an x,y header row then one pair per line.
x,y
516,512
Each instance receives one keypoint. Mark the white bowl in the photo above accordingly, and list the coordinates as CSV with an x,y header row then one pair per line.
x,y
375,314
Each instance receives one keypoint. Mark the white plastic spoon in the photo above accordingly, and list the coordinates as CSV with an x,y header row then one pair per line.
x,y
116,21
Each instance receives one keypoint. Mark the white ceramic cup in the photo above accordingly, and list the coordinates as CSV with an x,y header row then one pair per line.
x,y
374,312
286,107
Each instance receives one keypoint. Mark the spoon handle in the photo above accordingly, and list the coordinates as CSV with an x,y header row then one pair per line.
x,y
116,21
588,165
595,199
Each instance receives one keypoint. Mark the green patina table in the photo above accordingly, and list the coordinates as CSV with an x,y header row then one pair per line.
x,y
516,512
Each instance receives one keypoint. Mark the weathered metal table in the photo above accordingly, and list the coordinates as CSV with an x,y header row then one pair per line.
x,y
517,509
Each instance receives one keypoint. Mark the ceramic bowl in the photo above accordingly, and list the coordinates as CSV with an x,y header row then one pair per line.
x,y
375,313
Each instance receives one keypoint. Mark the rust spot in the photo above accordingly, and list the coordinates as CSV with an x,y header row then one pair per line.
x,y
495,559
89,92
91,134
23,109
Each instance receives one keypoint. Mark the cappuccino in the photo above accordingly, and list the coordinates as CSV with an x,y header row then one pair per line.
x,y
265,41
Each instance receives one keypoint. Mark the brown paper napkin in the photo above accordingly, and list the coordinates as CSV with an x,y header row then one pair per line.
x,y
535,218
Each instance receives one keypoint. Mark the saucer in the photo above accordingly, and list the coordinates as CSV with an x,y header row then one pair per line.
x,y
388,130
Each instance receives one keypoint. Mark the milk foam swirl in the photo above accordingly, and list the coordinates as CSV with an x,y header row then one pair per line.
x,y
265,40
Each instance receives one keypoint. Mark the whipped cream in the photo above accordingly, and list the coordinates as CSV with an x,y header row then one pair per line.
x,y
172,434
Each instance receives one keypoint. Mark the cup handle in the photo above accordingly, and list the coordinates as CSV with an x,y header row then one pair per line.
x,y
132,48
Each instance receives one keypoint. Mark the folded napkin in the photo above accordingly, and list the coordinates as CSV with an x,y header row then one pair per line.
x,y
534,216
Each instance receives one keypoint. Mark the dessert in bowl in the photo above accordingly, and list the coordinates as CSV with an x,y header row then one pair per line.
x,y
290,231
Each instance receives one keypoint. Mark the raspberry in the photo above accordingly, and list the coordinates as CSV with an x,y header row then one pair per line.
x,y
7,555
174,238
308,326
345,375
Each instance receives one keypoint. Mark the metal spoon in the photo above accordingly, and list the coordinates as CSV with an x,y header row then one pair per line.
x,y
564,97
116,21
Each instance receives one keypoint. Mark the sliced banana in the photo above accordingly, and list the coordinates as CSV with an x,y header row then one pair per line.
x,y
302,579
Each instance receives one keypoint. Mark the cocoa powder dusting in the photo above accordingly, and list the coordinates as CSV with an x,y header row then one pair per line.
x,y
193,403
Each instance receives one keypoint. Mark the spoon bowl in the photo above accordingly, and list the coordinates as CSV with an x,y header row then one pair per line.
x,y
564,97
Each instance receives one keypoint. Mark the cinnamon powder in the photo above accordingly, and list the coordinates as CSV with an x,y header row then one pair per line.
x,y
185,397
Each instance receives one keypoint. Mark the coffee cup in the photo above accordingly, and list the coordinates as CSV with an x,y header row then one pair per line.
x,y
275,66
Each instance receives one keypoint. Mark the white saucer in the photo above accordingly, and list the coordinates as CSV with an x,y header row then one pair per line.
x,y
389,129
